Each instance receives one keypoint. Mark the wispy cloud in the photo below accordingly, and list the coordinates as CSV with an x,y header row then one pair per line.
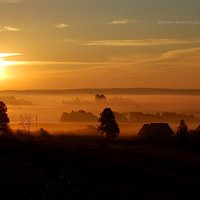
x,y
182,53
180,65
179,61
75,63
181,57
124,21
188,57
4,55
62,25
136,43
9,29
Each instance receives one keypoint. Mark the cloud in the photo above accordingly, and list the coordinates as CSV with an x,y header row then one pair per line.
x,y
9,29
4,55
62,25
181,53
175,68
72,63
186,57
137,43
124,21
174,63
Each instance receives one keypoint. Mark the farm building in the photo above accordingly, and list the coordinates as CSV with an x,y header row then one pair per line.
x,y
158,131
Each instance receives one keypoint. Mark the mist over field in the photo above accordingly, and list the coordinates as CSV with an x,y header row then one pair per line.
x,y
47,107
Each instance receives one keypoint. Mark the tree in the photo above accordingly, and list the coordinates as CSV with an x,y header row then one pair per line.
x,y
25,122
100,97
108,124
4,119
182,129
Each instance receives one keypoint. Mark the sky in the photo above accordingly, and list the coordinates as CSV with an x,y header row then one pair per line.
x,y
60,44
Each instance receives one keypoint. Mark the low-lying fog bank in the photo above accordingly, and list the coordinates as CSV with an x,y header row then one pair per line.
x,y
46,109
126,129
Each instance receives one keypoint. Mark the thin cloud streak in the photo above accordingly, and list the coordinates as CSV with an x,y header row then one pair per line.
x,y
137,43
4,55
155,69
62,25
183,60
9,29
178,54
124,21
61,63
184,56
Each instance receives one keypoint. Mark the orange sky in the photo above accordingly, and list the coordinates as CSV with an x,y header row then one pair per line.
x,y
98,44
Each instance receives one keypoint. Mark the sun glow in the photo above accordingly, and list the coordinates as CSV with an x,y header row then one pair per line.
x,y
4,63
2,68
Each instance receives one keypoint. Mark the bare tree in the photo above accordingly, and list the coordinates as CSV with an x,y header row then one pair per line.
x,y
25,122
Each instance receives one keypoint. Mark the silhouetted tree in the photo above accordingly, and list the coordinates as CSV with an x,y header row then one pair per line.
x,y
4,119
182,131
108,124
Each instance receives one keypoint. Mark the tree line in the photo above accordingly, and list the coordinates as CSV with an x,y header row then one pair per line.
x,y
107,122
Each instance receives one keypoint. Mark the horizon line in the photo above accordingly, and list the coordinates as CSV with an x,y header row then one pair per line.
x,y
103,88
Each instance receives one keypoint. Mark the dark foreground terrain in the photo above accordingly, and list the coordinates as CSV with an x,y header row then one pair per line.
x,y
84,168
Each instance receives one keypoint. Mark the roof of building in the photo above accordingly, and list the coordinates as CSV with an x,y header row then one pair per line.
x,y
198,128
156,131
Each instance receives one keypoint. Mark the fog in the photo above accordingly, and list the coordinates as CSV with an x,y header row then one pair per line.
x,y
49,107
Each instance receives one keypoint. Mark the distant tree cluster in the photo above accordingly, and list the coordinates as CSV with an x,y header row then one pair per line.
x,y
121,117
165,116
100,97
78,116
11,100
75,101
141,117
118,100
138,117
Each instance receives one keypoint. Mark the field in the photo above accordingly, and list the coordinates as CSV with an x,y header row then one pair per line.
x,y
71,161
85,167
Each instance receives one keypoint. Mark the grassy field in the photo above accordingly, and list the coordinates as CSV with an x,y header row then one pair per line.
x,y
81,167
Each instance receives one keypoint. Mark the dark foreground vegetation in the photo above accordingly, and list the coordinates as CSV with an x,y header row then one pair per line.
x,y
77,167
40,165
